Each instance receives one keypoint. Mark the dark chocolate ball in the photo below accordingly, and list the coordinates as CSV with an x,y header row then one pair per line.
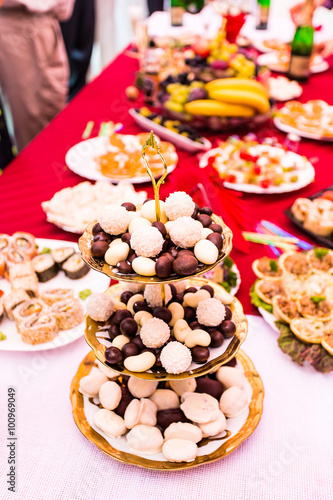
x,y
228,313
120,315
126,398
114,331
130,349
137,341
206,211
185,265
128,327
189,314
209,289
168,255
161,227
173,251
165,246
148,199
158,363
99,248
195,325
200,354
126,238
141,305
185,252
216,238
209,386
148,349
190,289
162,313
129,207
195,211
131,257
124,267
113,355
102,236
179,297
216,228
168,417
97,228
125,296
163,267
205,220
217,338
232,362
228,328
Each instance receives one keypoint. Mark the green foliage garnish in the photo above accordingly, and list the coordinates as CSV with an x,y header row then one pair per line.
x,y
300,352
2,336
228,262
84,294
45,250
316,299
320,252
232,278
226,285
256,300
273,265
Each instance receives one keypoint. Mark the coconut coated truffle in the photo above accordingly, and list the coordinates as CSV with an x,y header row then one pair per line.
x,y
175,357
147,241
153,295
114,219
100,306
185,232
154,333
210,312
179,204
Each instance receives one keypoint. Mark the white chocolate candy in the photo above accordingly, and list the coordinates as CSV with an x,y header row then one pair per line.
x,y
206,252
180,330
145,439
165,399
186,395
141,317
148,211
138,222
119,305
233,402
206,232
197,337
111,374
210,312
176,357
179,450
200,408
115,242
144,266
177,312
180,386
140,363
154,333
193,299
140,412
110,395
215,427
229,377
183,430
116,253
109,422
90,384
120,341
141,388
224,297
168,225
135,298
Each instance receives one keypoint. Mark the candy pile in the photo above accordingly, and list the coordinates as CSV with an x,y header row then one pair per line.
x,y
146,334
173,417
131,239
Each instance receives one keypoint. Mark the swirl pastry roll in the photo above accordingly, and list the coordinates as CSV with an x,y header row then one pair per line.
x,y
75,268
4,242
20,270
45,267
53,295
2,265
28,309
38,329
67,313
24,242
12,300
27,283
60,255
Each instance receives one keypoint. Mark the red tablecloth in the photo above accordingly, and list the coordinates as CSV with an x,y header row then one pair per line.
x,y
39,171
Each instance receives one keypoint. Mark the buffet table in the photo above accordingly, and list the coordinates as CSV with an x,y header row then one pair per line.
x,y
290,454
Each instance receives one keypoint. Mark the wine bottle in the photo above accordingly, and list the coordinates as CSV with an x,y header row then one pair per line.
x,y
302,45
177,11
194,6
262,14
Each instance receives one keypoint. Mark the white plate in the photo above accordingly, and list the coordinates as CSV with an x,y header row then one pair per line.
x,y
81,160
270,59
292,130
269,318
168,135
235,269
97,282
259,45
307,176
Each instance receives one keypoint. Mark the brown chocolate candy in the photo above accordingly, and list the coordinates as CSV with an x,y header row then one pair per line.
x,y
97,228
102,236
126,238
209,386
161,227
124,267
162,313
114,331
113,355
125,296
217,338
228,313
206,211
200,354
205,220
163,267
120,315
129,207
185,265
228,328
98,248
126,398
130,349
216,228
209,289
128,327
168,417
217,239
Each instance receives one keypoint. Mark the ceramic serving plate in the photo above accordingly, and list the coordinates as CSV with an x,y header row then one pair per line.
x,y
210,449
293,130
271,60
13,341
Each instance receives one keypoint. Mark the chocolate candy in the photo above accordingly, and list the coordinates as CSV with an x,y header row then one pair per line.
x,y
162,313
195,325
102,236
113,355
99,248
163,267
205,220
185,252
209,386
129,327
206,211
168,417
126,238
165,246
228,313
185,265
97,228
232,362
126,398
161,227
228,328
141,305
191,289
125,296
130,349
114,331
137,340
169,256
158,363
216,228
217,338
129,206
120,315
131,257
216,238
173,251
200,354
209,289
124,267
189,314
179,297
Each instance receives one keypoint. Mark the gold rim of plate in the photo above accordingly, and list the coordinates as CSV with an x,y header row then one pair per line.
x,y
254,416
101,266
91,331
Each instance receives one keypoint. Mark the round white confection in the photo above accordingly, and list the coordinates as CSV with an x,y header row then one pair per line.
x,y
153,295
210,312
176,357
154,333
114,219
185,232
147,241
145,439
179,204
100,306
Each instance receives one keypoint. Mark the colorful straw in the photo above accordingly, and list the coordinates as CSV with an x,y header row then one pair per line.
x,y
87,131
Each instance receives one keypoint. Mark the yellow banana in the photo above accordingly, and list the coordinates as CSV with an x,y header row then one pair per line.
x,y
208,107
244,97
237,84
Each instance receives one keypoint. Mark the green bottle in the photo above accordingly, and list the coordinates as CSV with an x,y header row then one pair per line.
x,y
194,6
302,45
178,8
262,14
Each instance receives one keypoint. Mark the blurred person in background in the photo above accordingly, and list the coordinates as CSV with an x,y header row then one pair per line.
x,y
154,5
34,70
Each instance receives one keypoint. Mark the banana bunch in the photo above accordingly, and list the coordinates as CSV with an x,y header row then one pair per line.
x,y
241,97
